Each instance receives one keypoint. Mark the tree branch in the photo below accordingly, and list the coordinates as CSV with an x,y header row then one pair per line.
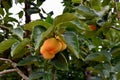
x,y
14,65
4,28
7,71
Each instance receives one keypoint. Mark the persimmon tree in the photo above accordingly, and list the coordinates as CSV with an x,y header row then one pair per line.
x,y
88,47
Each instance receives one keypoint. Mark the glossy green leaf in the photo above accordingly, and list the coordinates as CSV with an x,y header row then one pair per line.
x,y
69,26
27,61
6,44
60,62
37,34
19,49
71,39
31,25
18,32
64,18
86,12
99,56
80,25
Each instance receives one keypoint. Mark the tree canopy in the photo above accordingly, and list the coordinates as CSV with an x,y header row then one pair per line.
x,y
89,30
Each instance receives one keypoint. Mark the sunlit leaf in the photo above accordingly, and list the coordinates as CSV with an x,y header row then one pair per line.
x,y
19,49
95,4
37,34
64,18
18,32
76,1
85,11
31,25
6,44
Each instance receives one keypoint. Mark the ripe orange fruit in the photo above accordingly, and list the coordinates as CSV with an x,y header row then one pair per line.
x,y
52,46
46,54
64,46
93,27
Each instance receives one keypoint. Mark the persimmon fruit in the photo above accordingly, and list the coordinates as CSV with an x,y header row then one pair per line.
x,y
93,27
50,47
64,46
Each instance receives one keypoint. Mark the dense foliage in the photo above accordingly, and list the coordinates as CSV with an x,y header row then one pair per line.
x,y
90,28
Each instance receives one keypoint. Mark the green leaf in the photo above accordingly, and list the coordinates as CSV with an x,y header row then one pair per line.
x,y
69,26
27,61
47,76
105,2
96,4
19,48
31,25
71,39
117,67
99,56
85,11
37,34
64,18
20,14
49,19
115,51
80,25
6,4
6,44
18,32
60,62
2,11
118,75
76,1
36,75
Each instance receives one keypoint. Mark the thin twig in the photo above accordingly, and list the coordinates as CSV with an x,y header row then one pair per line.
x,y
14,65
4,27
7,71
